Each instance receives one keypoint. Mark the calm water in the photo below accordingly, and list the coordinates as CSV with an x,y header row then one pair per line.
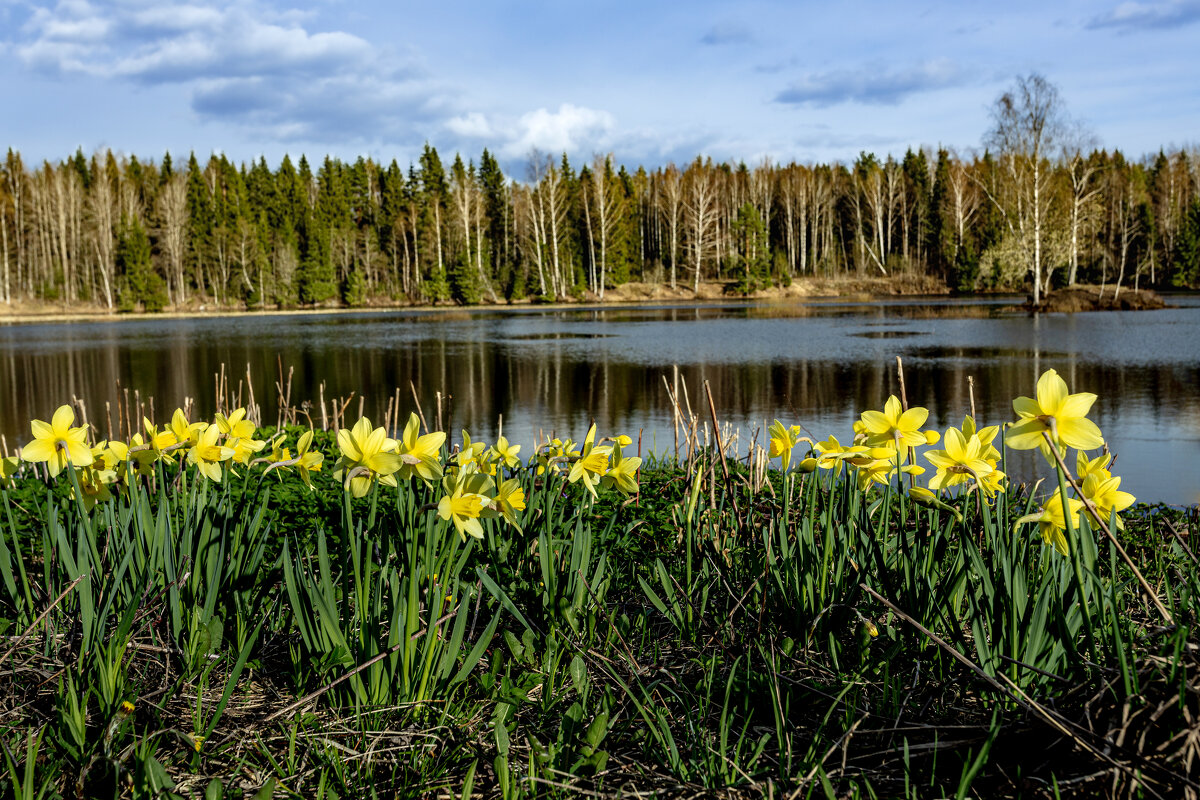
x,y
817,364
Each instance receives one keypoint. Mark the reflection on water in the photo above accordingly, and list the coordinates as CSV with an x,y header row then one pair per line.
x,y
819,364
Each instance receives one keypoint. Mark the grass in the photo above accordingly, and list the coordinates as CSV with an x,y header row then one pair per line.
x,y
711,636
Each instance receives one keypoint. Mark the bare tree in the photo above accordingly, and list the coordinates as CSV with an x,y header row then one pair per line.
x,y
173,220
670,206
701,212
1028,122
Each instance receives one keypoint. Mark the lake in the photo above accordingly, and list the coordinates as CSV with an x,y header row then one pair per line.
x,y
817,363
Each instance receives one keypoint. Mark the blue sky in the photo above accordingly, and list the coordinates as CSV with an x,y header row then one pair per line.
x,y
651,82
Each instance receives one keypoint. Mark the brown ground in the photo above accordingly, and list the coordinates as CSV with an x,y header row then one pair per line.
x,y
1084,297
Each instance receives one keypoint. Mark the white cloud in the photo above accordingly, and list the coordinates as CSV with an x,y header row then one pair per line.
x,y
471,126
244,63
570,129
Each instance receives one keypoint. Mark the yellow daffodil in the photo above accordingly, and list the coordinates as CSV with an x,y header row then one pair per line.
x,y
505,453
136,455
57,443
960,462
881,471
464,502
244,448
832,454
895,426
421,456
184,431
553,454
307,459
208,456
622,475
94,484
509,499
1103,490
8,468
992,483
782,440
1052,522
157,440
592,464
1085,466
103,456
1056,412
367,455
235,426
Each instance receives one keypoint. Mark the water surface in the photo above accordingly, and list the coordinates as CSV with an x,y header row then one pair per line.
x,y
817,363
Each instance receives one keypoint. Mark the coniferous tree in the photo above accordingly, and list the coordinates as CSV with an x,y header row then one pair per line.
x,y
138,283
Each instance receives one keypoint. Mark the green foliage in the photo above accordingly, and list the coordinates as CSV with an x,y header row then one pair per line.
x,y
315,277
752,251
137,282
354,289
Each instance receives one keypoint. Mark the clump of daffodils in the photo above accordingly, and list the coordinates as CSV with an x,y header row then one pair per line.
x,y
885,444
476,481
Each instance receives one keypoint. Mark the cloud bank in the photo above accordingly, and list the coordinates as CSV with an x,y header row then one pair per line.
x,y
870,86
241,63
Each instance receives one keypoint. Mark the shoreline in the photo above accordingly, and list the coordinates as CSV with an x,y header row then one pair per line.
x,y
627,295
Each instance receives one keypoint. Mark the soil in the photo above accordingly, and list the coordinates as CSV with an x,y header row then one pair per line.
x,y
1084,297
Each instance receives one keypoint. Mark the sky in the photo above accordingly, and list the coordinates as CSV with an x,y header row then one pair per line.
x,y
651,82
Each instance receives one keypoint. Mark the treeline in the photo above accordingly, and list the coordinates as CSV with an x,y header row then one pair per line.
x,y
124,234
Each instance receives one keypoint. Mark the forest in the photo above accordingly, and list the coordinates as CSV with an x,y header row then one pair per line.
x,y
115,233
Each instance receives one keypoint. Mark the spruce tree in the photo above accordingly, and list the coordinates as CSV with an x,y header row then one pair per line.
x,y
137,281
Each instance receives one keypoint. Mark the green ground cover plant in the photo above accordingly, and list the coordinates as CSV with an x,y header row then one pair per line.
x,y
222,610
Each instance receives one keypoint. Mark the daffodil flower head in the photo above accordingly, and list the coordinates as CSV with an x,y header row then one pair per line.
x,y
94,485
57,443
235,426
104,457
782,440
1055,412
895,426
1103,490
881,471
1052,523
367,455
592,463
622,475
184,431
8,468
832,454
506,453
243,449
465,502
208,455
307,459
136,456
962,460
159,441
1085,466
420,456
509,499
